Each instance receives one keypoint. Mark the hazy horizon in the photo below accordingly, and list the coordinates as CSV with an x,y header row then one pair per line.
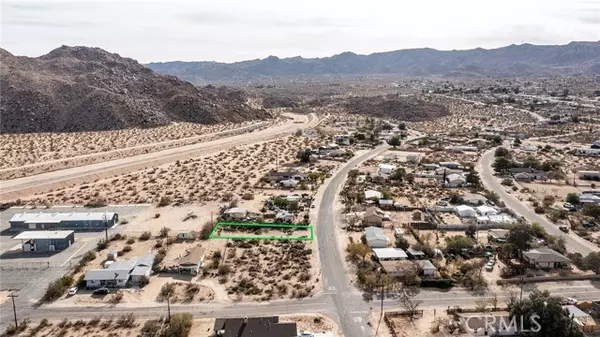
x,y
234,30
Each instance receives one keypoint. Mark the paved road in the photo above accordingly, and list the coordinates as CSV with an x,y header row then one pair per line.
x,y
15,188
350,307
574,243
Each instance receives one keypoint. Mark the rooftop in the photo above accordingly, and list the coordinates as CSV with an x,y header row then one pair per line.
x,y
425,264
40,217
375,233
38,235
195,256
545,255
254,326
106,274
389,253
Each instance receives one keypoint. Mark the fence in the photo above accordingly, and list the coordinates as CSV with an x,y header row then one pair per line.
x,y
7,265
541,279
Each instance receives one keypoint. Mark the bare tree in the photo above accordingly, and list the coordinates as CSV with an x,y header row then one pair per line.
x,y
410,305
481,304
494,301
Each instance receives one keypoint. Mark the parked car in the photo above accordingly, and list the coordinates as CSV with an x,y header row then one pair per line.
x,y
489,266
101,291
568,301
564,228
73,291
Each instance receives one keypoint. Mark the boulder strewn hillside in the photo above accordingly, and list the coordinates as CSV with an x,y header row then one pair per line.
x,y
85,89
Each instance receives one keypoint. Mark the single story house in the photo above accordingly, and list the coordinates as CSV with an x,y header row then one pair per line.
x,y
546,258
63,221
415,254
529,148
456,180
498,235
444,170
110,278
486,210
396,268
427,268
45,241
376,238
465,211
474,199
523,176
143,268
275,176
187,235
389,254
285,217
236,213
342,139
289,183
371,194
373,216
450,164
386,169
254,327
586,198
588,175
431,166
192,262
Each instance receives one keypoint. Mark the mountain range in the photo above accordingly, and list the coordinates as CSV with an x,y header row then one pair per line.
x,y
525,60
89,89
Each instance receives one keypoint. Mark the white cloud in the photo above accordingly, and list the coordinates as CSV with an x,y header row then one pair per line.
x,y
232,30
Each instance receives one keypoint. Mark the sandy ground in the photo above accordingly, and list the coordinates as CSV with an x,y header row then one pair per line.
x,y
419,327
106,327
233,172
4,296
315,323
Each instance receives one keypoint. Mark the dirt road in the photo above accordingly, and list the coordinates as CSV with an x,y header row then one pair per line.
x,y
22,187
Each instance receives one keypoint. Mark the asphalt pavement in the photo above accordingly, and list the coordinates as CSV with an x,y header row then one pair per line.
x,y
573,242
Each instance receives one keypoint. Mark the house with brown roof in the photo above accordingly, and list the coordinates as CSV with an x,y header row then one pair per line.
x,y
373,217
192,262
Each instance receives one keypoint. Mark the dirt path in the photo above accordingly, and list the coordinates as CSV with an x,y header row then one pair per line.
x,y
17,188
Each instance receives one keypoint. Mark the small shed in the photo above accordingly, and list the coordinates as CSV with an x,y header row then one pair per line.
x,y
186,235
236,213
415,254
427,267
486,210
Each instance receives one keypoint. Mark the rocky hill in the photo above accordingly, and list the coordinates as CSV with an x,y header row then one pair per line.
x,y
84,89
514,60
409,109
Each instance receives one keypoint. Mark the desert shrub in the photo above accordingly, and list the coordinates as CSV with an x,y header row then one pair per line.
x,y
206,230
101,245
127,248
144,280
248,196
87,257
130,241
158,243
116,236
145,236
164,232
539,209
116,298
318,320
224,269
96,202
124,221
126,321
57,288
180,325
94,322
157,215
151,328
164,201
166,290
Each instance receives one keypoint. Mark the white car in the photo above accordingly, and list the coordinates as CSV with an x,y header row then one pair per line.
x,y
73,291
568,301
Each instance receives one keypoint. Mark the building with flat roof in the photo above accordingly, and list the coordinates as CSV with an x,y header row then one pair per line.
x,y
389,254
74,220
254,327
45,241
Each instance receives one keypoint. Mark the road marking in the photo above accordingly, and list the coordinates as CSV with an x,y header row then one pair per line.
x,y
357,319
70,257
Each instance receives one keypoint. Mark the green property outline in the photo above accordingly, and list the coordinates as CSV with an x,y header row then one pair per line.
x,y
252,224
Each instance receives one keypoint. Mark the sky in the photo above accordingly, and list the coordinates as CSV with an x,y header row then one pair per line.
x,y
235,30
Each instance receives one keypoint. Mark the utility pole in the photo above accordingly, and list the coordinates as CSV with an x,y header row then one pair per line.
x,y
12,296
106,227
169,308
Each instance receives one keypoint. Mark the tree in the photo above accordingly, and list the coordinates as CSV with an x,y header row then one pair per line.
x,y
410,304
410,275
572,198
532,162
543,316
398,174
304,155
481,304
457,243
517,142
402,126
548,200
501,164
592,210
473,178
394,141
180,325
592,262
501,152
402,243
471,231
357,250
497,140
520,237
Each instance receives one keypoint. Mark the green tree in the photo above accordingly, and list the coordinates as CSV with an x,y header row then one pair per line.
x,y
573,198
357,250
398,174
543,316
394,141
520,237
592,262
473,179
532,162
402,243
457,243
304,155
501,164
501,152
548,200
471,231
